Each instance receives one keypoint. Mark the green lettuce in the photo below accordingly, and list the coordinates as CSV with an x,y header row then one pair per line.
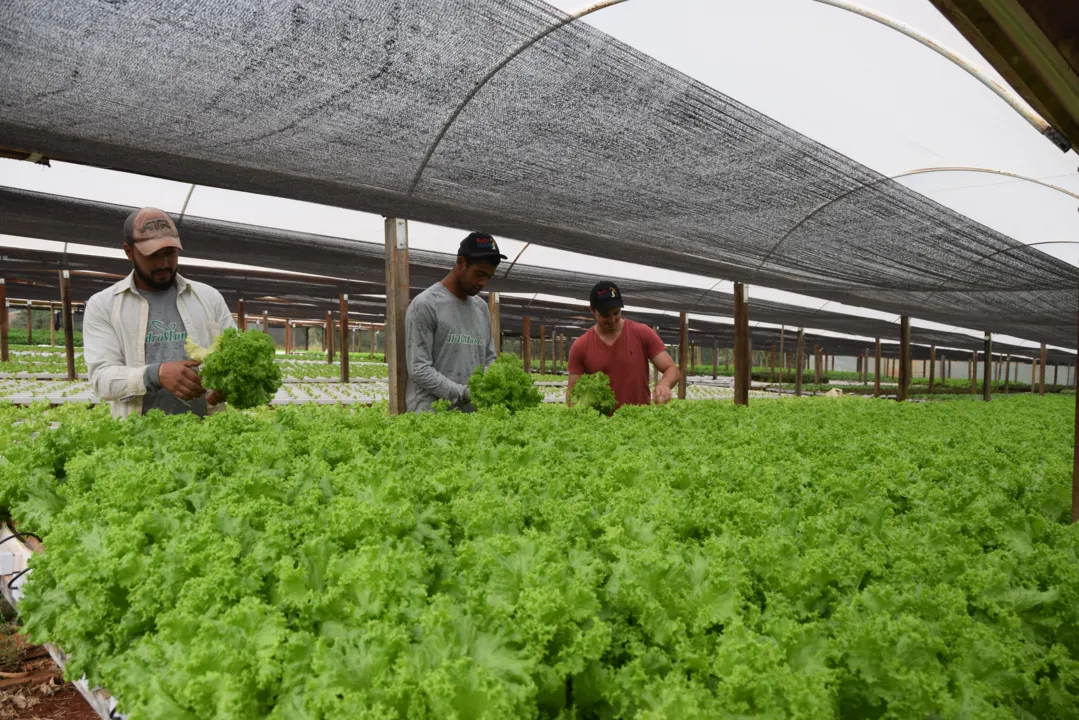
x,y
242,367
594,391
503,384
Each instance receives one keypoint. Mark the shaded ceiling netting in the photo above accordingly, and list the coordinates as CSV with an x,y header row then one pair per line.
x,y
581,143
50,217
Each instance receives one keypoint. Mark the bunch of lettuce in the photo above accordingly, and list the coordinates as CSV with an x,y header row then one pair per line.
x,y
240,366
504,384
594,391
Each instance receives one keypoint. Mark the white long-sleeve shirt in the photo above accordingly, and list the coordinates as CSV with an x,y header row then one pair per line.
x,y
114,336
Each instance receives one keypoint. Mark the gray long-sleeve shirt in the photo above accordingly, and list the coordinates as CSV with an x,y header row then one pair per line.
x,y
446,339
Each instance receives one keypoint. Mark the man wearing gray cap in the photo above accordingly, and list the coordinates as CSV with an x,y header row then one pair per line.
x,y
134,331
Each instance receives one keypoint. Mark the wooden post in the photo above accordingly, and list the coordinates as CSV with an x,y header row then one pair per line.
x,y
69,323
715,359
543,349
932,368
3,322
799,352
876,372
1041,369
288,336
743,360
266,321
327,332
397,284
556,343
773,355
987,369
374,337
29,323
683,355
241,316
1007,373
494,304
904,358
782,355
52,322
816,365
526,343
344,338
1056,372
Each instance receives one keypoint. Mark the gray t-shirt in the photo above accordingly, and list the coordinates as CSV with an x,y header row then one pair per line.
x,y
446,339
165,336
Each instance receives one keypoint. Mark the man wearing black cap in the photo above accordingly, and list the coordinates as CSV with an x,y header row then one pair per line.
x,y
448,329
622,349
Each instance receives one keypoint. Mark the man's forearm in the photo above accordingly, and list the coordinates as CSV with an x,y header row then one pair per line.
x,y
670,378
438,384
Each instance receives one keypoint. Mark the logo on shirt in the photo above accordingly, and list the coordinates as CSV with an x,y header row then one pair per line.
x,y
166,333
464,337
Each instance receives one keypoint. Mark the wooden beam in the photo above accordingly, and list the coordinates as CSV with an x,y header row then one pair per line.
x,y
1056,373
987,369
715,359
397,284
818,377
743,356
266,321
932,368
782,333
1007,373
799,357
494,305
288,337
904,358
876,372
69,323
1041,369
52,323
29,323
683,353
343,299
526,343
543,349
374,337
3,322
241,316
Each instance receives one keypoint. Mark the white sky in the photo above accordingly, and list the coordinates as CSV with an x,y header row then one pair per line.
x,y
847,82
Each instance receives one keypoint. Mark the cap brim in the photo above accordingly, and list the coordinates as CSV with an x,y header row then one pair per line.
x,y
606,306
487,256
149,247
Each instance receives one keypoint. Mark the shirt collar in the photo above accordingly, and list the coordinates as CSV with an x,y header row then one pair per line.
x,y
128,284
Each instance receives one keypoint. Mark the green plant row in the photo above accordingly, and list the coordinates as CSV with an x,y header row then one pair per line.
x,y
804,559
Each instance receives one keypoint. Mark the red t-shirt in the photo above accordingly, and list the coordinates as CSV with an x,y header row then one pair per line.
x,y
626,362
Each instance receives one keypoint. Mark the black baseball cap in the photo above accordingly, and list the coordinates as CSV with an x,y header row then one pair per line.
x,y
605,296
480,246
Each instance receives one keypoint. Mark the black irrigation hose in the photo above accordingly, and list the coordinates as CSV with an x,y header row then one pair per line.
x,y
15,577
20,535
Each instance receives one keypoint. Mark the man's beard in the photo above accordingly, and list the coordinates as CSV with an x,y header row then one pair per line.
x,y
149,279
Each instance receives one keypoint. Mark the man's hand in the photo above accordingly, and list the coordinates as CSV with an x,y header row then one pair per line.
x,y
213,397
661,395
180,379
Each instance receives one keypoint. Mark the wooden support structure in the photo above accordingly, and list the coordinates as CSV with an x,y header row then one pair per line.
x,y
526,343
266,321
1007,373
543,349
29,323
715,359
743,360
799,354
1041,369
374,337
683,355
241,316
397,284
52,321
782,354
344,337
69,323
932,368
327,333
987,369
494,305
904,358
1056,373
974,373
817,375
773,356
3,322
288,336
876,371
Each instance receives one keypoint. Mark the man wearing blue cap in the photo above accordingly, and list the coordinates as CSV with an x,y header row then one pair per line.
x,y
448,329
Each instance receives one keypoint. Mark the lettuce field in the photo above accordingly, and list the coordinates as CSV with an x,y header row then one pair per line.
x,y
808,558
